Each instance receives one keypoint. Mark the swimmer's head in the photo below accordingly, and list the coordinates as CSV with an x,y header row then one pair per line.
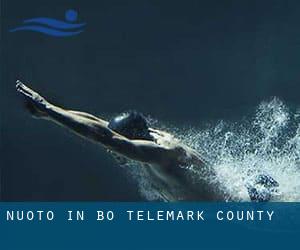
x,y
132,125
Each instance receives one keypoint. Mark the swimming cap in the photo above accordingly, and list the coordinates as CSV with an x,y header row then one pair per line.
x,y
132,125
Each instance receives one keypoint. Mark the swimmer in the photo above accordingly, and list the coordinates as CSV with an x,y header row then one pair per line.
x,y
129,136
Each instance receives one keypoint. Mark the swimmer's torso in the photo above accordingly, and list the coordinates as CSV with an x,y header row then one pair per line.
x,y
177,179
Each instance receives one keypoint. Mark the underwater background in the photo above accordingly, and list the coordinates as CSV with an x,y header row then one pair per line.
x,y
222,75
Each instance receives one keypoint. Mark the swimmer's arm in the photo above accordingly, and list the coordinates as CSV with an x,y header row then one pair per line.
x,y
34,100
87,115
83,124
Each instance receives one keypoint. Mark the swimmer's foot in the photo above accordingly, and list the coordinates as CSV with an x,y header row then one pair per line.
x,y
34,103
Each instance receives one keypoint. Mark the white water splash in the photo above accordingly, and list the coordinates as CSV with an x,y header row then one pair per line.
x,y
268,142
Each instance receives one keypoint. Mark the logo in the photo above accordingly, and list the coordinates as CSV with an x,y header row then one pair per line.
x,y
53,27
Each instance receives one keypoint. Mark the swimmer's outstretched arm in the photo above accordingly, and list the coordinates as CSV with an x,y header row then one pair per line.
x,y
95,129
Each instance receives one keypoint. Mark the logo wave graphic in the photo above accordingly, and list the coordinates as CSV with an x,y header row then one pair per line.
x,y
53,27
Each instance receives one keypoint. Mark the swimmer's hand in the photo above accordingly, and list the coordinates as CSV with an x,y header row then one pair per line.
x,y
35,103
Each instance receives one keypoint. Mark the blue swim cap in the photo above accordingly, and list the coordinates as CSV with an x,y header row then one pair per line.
x,y
132,125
